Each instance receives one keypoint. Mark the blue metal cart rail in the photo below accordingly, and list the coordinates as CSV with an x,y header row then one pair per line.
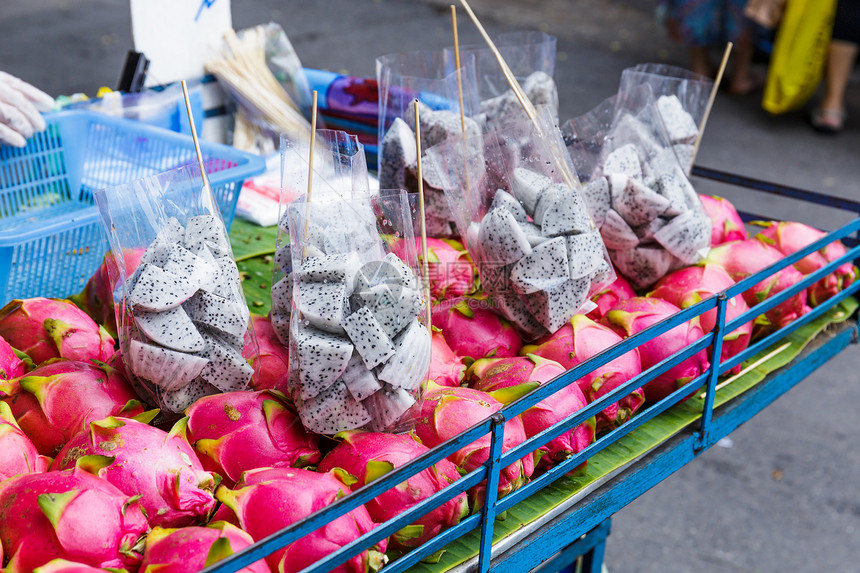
x,y
580,527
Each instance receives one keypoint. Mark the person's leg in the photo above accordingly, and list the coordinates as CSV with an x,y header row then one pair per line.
x,y
699,62
840,61
743,81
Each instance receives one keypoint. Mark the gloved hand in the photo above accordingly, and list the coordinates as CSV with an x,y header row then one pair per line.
x,y
20,104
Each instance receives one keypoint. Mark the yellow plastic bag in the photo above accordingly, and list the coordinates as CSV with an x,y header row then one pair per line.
x,y
799,54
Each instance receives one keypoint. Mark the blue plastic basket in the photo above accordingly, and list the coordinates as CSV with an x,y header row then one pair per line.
x,y
51,240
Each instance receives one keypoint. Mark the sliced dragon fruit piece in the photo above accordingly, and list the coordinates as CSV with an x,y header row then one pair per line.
x,y
393,306
584,253
360,381
554,307
321,357
670,187
544,268
370,340
196,269
527,186
227,369
398,151
646,232
175,401
156,289
566,214
686,236
512,307
387,406
206,230
331,268
333,411
643,266
172,328
167,369
504,200
282,294
684,153
407,369
624,161
171,233
222,314
229,282
616,233
389,270
322,305
680,125
501,238
547,200
596,193
284,259
635,203
533,234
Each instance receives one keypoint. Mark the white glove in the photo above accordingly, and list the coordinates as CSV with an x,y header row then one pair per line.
x,y
20,104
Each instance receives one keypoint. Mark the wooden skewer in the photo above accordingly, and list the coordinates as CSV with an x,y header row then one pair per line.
x,y
711,99
515,85
457,63
312,144
425,270
194,137
755,364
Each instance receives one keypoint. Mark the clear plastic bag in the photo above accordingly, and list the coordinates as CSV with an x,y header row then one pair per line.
x,y
181,315
430,77
522,215
359,342
340,173
649,215
681,97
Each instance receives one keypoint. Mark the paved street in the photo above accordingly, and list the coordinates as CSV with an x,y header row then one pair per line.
x,y
783,496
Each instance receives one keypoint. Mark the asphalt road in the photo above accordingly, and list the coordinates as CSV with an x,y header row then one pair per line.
x,y
783,495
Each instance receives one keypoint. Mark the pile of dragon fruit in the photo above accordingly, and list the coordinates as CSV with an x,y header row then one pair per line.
x,y
93,479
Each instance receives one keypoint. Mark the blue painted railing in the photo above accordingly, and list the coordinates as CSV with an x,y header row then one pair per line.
x,y
494,426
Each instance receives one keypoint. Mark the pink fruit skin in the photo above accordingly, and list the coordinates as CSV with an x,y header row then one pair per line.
x,y
10,365
66,566
97,297
726,224
367,456
271,363
579,340
60,399
788,237
72,515
161,467
186,549
446,412
631,316
690,285
490,374
449,267
473,331
606,299
238,431
18,455
446,368
46,328
269,499
743,258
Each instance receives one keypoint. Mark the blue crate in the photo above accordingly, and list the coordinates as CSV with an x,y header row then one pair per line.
x,y
51,240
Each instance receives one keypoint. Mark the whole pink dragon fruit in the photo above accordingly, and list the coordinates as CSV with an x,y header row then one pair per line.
x,y
11,366
446,368
269,499
66,566
688,286
491,374
630,316
447,412
449,267
72,515
270,360
577,341
726,224
368,456
744,258
18,455
195,548
45,328
60,399
97,297
140,459
788,237
473,331
620,289
238,431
